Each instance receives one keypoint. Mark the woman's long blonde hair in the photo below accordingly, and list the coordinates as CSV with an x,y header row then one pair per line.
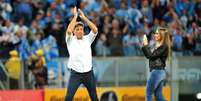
x,y
165,35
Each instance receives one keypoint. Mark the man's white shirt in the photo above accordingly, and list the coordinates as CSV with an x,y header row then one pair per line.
x,y
80,55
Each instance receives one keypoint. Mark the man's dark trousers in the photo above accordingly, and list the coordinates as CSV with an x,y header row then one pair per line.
x,y
76,79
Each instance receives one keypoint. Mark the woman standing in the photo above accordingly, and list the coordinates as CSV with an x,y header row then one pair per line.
x,y
157,63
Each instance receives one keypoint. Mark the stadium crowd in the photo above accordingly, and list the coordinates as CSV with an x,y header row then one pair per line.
x,y
29,25
35,29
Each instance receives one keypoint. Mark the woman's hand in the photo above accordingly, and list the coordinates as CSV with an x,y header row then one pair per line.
x,y
145,41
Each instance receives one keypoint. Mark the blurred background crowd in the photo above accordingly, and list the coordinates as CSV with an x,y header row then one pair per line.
x,y
34,52
37,27
29,25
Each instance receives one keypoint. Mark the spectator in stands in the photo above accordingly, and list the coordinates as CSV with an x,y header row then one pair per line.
x,y
9,32
134,15
5,9
101,47
33,29
116,3
8,27
48,18
95,6
38,67
184,19
36,6
50,48
189,39
197,8
196,32
129,44
139,41
146,11
53,9
115,24
115,43
197,50
160,7
23,45
177,37
61,7
106,25
13,66
122,13
40,19
72,3
188,45
8,39
186,5
23,9
70,12
37,41
20,25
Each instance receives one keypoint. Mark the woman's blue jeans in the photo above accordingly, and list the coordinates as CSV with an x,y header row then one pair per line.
x,y
155,85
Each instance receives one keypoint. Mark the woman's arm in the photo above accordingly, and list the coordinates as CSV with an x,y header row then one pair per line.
x,y
153,55
156,54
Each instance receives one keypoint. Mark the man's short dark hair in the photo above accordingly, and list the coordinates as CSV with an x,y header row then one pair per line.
x,y
79,23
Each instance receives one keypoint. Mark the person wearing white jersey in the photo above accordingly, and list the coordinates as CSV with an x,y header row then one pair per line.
x,y
80,56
